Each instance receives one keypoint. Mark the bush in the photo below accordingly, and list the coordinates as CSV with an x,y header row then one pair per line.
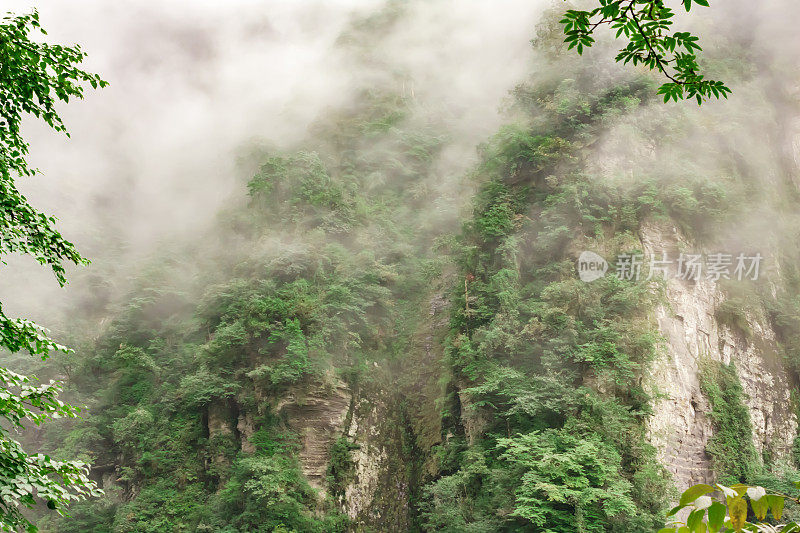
x,y
731,447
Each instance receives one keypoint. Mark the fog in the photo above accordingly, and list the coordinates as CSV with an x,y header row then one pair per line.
x,y
194,85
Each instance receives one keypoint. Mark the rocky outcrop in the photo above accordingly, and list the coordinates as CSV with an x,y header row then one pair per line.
x,y
395,423
367,461
246,427
318,415
679,427
373,430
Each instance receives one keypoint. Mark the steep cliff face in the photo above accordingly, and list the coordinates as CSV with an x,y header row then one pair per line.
x,y
680,427
318,416
389,420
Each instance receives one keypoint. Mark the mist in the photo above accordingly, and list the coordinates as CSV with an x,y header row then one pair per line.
x,y
194,87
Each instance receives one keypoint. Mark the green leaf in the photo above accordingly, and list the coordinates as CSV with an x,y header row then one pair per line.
x,y
716,516
694,492
695,518
760,507
740,489
776,505
737,508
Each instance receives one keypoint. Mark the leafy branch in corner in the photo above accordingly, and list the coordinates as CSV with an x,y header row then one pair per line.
x,y
729,512
646,24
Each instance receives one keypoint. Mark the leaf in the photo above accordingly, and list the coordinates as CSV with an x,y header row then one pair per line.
x,y
776,505
716,516
695,518
694,492
737,508
760,507
740,489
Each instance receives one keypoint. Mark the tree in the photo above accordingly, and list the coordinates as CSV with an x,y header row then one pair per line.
x,y
34,77
646,25
568,481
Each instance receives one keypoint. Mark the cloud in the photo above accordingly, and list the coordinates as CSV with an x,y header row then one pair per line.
x,y
153,157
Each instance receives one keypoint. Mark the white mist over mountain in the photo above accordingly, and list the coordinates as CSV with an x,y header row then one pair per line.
x,y
194,84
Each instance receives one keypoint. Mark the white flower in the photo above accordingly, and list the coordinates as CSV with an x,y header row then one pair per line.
x,y
729,492
703,502
756,493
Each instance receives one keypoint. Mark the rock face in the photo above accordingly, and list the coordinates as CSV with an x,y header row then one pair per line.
x,y
318,414
368,460
679,427
395,423
376,491
390,419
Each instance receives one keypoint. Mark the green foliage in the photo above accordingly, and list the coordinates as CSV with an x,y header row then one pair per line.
x,y
34,77
731,445
496,217
161,506
167,380
729,512
184,382
568,481
541,355
299,187
340,466
291,328
646,24
268,489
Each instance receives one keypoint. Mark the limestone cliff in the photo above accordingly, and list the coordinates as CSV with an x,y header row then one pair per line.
x,y
680,427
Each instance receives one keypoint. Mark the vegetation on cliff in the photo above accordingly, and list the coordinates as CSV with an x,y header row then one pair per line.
x,y
525,410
